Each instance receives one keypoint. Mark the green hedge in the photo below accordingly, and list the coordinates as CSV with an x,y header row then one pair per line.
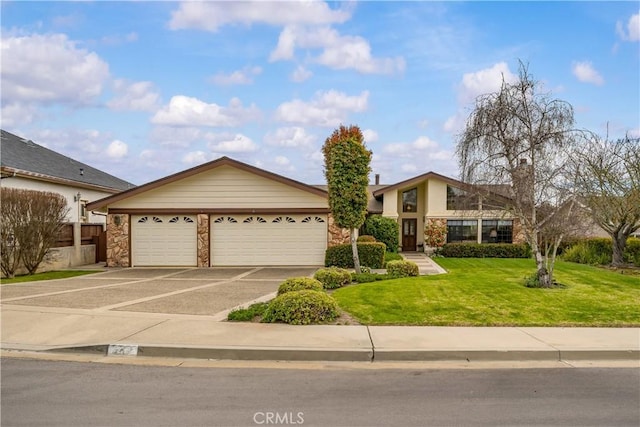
x,y
487,250
365,238
385,230
402,268
371,255
333,277
298,284
599,251
302,308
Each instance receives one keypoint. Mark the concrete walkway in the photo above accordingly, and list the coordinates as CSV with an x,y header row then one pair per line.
x,y
26,328
425,264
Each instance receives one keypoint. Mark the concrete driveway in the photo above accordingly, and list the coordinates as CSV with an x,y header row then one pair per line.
x,y
186,291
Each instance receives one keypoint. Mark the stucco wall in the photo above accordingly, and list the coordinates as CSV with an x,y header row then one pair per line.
x,y
66,191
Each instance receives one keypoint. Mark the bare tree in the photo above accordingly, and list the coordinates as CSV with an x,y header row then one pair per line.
x,y
518,140
31,221
12,223
609,185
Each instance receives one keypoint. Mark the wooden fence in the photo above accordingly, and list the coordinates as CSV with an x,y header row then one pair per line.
x,y
87,232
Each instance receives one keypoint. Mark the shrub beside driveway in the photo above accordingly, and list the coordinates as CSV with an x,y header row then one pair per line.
x,y
490,292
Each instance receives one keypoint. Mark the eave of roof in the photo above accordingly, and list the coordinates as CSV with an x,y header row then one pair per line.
x,y
417,179
8,172
223,161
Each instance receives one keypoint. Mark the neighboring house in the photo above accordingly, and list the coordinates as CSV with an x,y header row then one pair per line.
x,y
27,165
225,212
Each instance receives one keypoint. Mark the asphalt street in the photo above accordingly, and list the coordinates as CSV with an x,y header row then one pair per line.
x,y
55,393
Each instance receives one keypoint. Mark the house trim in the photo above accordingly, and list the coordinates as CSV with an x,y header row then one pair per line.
x,y
191,211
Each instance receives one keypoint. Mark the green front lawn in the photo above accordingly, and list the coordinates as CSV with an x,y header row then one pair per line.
x,y
50,275
490,292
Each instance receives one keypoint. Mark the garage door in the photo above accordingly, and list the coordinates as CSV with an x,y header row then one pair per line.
x,y
268,239
163,240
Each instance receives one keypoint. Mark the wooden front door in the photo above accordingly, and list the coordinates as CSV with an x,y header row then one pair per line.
x,y
409,234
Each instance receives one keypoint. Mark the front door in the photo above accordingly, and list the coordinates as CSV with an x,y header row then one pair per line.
x,y
409,227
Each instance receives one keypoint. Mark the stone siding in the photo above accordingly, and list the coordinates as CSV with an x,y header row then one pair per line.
x,y
118,244
337,235
203,240
518,232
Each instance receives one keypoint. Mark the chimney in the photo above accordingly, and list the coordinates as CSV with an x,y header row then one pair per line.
x,y
377,179
523,162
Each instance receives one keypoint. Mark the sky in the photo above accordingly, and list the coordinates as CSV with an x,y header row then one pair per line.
x,y
145,89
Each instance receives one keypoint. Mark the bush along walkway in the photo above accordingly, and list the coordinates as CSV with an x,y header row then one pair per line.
x,y
426,265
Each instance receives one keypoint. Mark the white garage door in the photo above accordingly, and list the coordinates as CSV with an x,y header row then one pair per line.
x,y
163,240
268,239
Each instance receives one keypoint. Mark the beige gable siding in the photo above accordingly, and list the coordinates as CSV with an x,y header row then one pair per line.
x,y
224,187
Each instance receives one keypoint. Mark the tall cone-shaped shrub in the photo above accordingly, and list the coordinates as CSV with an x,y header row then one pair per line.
x,y
346,168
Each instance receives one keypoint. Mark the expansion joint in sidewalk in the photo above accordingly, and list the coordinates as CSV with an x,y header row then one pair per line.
x,y
373,346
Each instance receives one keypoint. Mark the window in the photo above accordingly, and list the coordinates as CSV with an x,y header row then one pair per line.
x,y
497,231
460,200
83,211
410,200
462,231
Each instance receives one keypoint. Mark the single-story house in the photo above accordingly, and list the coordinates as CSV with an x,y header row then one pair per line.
x,y
226,212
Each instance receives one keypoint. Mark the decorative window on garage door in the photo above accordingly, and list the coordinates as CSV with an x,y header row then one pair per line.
x,y
146,218
251,219
312,219
176,219
222,219
283,219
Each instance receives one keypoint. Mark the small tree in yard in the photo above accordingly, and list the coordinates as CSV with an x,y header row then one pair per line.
x,y
31,221
520,140
346,168
609,185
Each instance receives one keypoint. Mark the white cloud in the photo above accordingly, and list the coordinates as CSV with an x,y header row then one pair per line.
x,y
290,137
634,133
632,32
409,167
188,111
282,161
585,73
175,136
301,74
325,109
210,16
455,123
239,77
338,51
238,144
137,96
370,135
117,149
48,69
17,113
417,147
484,81
195,158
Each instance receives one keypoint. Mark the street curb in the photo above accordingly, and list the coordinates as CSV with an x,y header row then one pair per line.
x,y
351,355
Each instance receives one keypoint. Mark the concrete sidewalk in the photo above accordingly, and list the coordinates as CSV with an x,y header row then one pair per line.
x,y
187,336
